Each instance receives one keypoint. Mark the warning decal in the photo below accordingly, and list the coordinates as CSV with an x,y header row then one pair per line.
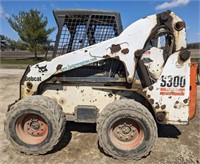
x,y
172,91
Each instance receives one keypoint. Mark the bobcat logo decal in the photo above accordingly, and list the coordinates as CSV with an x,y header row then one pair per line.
x,y
41,69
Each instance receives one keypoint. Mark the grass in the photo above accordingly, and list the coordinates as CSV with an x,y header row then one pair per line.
x,y
28,61
19,63
195,60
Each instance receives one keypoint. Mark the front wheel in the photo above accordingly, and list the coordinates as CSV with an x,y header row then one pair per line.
x,y
34,125
126,130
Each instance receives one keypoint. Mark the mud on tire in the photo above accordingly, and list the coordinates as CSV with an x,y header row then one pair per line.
x,y
34,125
126,130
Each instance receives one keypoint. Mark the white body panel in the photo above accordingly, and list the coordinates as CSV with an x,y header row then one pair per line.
x,y
172,97
69,97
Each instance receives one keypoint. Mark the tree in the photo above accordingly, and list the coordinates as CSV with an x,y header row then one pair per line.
x,y
10,44
3,42
31,28
17,45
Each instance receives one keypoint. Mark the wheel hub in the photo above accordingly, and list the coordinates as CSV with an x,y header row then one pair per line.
x,y
126,129
126,133
31,128
35,125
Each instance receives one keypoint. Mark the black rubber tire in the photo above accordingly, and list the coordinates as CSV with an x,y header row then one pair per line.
x,y
123,109
45,108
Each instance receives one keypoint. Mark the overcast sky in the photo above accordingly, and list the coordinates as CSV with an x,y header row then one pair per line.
x,y
131,10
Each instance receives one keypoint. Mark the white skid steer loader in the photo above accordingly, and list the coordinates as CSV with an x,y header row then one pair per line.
x,y
124,81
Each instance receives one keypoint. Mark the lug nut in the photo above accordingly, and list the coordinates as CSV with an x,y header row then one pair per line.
x,y
120,126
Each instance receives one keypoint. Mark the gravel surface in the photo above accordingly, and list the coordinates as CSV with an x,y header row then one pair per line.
x,y
176,144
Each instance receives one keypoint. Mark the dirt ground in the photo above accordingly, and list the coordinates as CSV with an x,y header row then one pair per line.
x,y
176,144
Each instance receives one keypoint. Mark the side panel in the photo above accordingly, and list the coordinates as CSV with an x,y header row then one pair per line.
x,y
69,97
169,96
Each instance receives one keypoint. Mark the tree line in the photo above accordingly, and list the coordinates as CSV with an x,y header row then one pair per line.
x,y
10,44
193,46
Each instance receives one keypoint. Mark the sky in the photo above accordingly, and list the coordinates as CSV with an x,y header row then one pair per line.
x,y
130,10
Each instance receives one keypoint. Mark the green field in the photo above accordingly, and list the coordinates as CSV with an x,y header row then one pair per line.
x,y
19,63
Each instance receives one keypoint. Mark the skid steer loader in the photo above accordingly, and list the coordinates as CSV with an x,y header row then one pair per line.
x,y
124,81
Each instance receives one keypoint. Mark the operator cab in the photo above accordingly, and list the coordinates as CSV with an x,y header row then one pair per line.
x,y
81,28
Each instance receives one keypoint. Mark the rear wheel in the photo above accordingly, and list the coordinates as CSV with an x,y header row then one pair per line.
x,y
126,130
35,125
